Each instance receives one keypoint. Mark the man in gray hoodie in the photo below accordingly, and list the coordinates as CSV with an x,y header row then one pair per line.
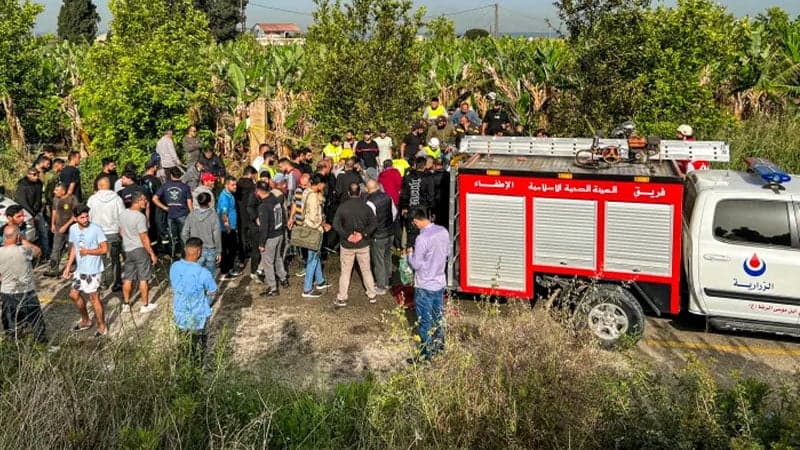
x,y
203,223
105,209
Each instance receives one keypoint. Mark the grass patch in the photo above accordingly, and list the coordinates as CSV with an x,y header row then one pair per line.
x,y
511,380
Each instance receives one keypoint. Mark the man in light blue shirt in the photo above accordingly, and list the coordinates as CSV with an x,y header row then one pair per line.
x,y
193,290
428,258
88,245
228,220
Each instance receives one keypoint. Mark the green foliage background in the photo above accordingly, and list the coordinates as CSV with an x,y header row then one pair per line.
x,y
376,63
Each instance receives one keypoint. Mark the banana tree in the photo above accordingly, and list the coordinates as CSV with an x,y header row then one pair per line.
x,y
245,72
66,59
527,74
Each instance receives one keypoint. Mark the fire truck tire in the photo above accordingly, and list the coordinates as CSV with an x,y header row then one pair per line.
x,y
610,312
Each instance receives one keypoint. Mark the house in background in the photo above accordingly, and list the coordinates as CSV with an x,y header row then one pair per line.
x,y
277,33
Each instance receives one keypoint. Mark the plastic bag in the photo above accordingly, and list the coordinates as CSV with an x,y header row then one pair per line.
x,y
406,272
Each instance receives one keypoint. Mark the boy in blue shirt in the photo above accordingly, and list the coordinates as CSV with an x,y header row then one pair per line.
x,y
193,289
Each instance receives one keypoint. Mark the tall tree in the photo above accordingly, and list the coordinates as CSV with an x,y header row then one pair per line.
x,y
152,70
77,21
18,53
365,63
224,17
580,15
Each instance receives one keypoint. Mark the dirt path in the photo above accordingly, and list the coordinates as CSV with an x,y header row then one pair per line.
x,y
314,344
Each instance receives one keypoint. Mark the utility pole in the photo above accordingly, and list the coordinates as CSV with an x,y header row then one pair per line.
x,y
244,16
496,20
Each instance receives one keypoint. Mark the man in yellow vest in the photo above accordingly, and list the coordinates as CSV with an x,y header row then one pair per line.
x,y
433,149
433,111
333,150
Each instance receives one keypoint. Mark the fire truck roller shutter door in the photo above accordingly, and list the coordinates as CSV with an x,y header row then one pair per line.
x,y
496,242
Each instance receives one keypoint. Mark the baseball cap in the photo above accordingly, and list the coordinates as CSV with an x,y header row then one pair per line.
x,y
368,131
207,176
279,177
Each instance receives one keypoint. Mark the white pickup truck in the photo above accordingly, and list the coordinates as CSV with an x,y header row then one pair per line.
x,y
741,251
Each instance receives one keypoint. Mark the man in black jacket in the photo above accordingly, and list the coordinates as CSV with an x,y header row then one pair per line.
x,y
356,225
212,162
381,247
418,191
346,178
29,196
272,228
245,190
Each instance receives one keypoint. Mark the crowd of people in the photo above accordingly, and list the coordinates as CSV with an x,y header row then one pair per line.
x,y
367,200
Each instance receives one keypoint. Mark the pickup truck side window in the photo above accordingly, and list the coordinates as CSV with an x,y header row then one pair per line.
x,y
753,222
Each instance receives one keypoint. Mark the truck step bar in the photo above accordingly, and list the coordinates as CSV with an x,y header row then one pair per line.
x,y
725,323
567,147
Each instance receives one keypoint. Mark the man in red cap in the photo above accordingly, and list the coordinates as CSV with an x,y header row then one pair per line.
x,y
207,182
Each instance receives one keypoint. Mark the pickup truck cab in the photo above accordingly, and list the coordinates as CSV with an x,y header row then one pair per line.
x,y
741,251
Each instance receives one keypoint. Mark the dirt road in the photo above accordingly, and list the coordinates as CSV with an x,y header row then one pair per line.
x,y
314,343
670,341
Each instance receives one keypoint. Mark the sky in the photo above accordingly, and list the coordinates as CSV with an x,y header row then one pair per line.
x,y
515,15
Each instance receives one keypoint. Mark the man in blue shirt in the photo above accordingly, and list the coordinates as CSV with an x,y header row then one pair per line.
x,y
174,198
88,245
193,289
226,209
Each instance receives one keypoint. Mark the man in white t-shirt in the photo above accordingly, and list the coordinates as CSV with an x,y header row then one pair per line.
x,y
384,146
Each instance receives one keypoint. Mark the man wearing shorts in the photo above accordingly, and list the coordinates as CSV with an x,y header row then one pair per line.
x,y
88,245
139,255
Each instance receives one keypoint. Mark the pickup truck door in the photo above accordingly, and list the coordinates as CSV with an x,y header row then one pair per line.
x,y
749,259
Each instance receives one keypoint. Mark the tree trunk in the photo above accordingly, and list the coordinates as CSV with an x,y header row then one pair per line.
x,y
17,133
258,126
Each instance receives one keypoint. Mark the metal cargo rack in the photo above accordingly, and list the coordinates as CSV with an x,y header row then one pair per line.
x,y
567,147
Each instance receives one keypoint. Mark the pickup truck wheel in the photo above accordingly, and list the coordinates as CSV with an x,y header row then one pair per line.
x,y
610,312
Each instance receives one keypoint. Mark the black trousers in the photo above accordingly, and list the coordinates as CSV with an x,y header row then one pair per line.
x,y
255,254
230,246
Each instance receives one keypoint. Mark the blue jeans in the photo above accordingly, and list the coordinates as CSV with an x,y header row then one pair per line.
x,y
429,306
313,271
208,259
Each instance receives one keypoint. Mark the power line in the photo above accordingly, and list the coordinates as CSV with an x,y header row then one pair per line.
x,y
456,13
301,13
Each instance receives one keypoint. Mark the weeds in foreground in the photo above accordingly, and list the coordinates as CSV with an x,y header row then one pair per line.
x,y
515,379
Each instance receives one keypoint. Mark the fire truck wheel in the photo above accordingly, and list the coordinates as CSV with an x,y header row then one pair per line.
x,y
610,312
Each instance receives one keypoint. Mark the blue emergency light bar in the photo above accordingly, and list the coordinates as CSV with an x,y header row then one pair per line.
x,y
767,170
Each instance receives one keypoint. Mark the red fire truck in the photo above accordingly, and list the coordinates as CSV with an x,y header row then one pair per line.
x,y
526,219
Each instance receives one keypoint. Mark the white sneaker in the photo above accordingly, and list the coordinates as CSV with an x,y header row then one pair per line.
x,y
148,308
380,291
126,308
301,273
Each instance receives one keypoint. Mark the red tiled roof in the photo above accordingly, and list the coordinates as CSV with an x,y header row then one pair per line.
x,y
278,27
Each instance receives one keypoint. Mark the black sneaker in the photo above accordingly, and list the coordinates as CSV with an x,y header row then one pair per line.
x,y
285,282
312,294
271,292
